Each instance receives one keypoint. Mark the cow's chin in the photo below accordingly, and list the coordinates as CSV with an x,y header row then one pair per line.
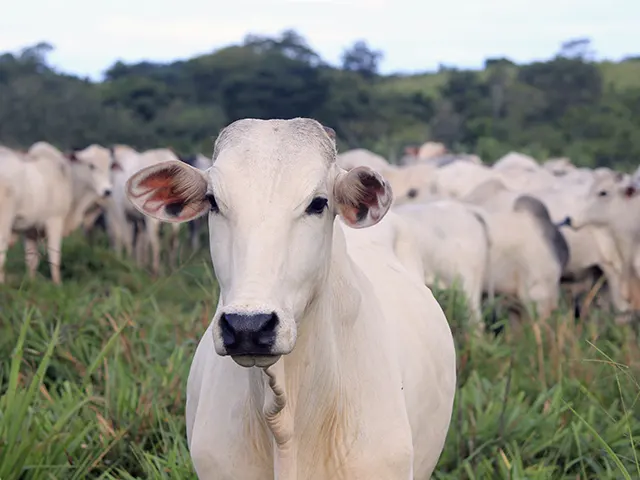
x,y
260,361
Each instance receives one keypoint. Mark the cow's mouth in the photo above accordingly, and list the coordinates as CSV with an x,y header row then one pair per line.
x,y
261,361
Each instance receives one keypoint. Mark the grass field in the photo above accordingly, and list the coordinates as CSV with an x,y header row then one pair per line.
x,y
92,381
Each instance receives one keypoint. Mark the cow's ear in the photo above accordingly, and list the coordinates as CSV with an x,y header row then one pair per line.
x,y
362,197
629,191
331,133
169,191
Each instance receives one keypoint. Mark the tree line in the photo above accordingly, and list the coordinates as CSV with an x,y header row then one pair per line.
x,y
569,105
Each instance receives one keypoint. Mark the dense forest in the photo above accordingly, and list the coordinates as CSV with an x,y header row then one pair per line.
x,y
569,105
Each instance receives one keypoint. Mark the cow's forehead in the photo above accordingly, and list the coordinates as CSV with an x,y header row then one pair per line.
x,y
288,156
97,155
259,178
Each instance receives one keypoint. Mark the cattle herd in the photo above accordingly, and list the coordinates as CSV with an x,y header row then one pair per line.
x,y
519,228
46,193
333,253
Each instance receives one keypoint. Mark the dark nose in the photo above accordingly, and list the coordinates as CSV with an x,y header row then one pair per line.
x,y
248,334
565,223
107,193
412,193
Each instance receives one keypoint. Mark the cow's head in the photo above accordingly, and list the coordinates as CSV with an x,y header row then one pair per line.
x,y
607,198
271,195
97,163
412,183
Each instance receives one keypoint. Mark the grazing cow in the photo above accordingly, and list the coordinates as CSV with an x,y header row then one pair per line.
x,y
454,245
516,161
528,251
457,179
413,183
360,157
48,194
613,203
128,228
195,226
559,166
356,363
591,250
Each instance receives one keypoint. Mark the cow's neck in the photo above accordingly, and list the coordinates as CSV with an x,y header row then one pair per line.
x,y
81,199
303,400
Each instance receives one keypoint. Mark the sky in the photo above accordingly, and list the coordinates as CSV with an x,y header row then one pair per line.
x,y
415,36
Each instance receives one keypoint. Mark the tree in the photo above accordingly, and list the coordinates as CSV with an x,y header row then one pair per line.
x,y
362,59
577,48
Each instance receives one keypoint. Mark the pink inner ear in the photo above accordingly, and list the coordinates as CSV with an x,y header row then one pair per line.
x,y
161,187
372,189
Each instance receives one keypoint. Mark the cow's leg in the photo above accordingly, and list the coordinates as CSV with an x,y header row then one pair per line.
x,y
153,237
31,254
175,245
53,228
140,243
6,222
194,234
4,246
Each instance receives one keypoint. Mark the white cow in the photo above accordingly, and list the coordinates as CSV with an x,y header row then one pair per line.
x,y
559,166
47,194
528,252
589,247
361,157
517,161
412,183
128,228
356,362
458,179
454,245
613,203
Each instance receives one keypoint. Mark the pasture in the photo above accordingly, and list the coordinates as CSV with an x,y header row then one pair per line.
x,y
93,374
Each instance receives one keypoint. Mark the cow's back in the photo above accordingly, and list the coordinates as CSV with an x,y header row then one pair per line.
x,y
420,338
45,187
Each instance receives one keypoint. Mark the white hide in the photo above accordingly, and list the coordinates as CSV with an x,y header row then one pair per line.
x,y
45,193
359,157
119,210
431,149
454,247
460,178
412,183
588,247
523,264
364,376
517,161
559,166
613,203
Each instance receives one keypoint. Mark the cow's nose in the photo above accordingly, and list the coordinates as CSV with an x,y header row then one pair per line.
x,y
565,223
107,193
248,334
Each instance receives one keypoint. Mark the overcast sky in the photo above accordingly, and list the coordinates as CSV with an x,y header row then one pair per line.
x,y
415,35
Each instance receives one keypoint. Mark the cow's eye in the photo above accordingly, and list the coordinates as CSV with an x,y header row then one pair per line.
x,y
212,202
317,205
602,193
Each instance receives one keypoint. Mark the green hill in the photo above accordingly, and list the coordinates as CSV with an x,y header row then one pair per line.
x,y
620,75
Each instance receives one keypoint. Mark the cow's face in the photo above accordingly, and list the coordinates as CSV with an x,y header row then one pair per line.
x,y
98,164
607,198
272,195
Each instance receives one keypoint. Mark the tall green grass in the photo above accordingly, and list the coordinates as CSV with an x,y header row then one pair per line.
x,y
93,374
